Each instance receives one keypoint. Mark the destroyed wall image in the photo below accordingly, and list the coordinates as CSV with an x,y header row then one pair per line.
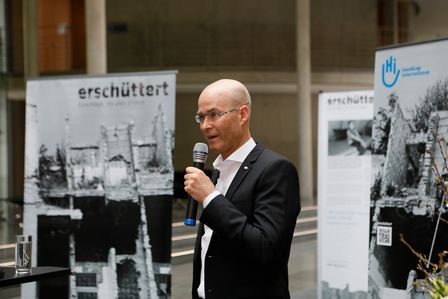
x,y
87,167
328,292
408,204
110,219
396,160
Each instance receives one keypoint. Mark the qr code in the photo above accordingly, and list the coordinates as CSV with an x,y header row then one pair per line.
x,y
384,236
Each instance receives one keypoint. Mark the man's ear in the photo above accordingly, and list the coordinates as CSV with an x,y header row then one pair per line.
x,y
244,113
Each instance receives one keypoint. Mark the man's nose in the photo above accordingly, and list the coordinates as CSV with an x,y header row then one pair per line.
x,y
206,123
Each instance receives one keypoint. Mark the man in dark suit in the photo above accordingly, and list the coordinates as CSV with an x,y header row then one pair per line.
x,y
247,224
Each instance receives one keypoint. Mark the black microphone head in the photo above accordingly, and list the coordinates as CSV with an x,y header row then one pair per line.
x,y
200,152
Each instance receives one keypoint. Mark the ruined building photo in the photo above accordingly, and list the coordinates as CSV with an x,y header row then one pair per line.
x,y
104,210
405,206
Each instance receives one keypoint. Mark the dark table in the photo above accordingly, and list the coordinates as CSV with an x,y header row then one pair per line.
x,y
8,275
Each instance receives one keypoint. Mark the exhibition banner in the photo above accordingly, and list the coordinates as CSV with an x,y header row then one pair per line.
x,y
408,213
99,183
345,133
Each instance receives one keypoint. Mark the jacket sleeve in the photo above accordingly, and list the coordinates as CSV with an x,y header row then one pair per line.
x,y
264,235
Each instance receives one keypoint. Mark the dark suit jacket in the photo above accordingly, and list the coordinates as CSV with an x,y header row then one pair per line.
x,y
252,231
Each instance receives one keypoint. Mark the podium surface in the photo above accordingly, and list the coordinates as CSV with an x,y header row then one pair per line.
x,y
8,276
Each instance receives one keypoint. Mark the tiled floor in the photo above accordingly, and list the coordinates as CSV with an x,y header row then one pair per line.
x,y
303,268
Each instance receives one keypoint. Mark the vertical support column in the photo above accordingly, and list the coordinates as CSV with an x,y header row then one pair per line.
x,y
4,191
3,121
30,59
305,141
3,140
30,32
96,48
395,22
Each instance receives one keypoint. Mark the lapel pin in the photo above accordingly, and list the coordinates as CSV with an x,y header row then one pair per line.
x,y
245,167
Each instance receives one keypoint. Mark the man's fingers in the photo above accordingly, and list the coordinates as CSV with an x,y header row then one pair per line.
x,y
190,176
191,169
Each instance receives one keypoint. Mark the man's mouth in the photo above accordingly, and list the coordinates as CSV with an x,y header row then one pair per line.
x,y
212,137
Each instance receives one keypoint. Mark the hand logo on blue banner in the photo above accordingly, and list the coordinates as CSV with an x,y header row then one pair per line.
x,y
390,68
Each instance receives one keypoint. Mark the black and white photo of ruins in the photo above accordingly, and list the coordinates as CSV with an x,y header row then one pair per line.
x,y
405,200
99,200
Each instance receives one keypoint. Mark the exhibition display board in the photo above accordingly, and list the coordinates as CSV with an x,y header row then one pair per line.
x,y
99,183
345,131
409,145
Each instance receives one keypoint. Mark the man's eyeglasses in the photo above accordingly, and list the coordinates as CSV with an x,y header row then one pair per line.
x,y
212,116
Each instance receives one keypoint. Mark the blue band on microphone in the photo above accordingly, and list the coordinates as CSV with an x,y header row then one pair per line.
x,y
190,222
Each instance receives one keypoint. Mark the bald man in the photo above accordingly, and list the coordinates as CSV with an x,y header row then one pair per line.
x,y
247,224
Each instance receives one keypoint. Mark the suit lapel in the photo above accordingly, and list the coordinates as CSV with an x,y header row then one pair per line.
x,y
244,170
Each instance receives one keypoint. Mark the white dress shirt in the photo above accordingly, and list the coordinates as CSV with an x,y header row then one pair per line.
x,y
227,171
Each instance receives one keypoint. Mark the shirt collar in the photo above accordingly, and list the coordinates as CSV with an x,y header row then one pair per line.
x,y
237,156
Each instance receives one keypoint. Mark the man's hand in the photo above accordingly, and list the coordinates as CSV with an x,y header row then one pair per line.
x,y
197,184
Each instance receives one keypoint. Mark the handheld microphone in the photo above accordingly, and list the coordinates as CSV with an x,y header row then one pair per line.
x,y
200,152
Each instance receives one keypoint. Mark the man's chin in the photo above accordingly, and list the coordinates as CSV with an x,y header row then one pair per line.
x,y
213,145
